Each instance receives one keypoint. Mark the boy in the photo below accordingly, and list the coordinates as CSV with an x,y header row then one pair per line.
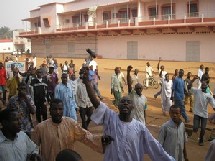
x,y
172,135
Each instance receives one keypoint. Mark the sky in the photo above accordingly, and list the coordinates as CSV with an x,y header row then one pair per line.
x,y
13,11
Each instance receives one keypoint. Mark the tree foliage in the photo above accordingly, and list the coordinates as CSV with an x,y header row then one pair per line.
x,y
6,33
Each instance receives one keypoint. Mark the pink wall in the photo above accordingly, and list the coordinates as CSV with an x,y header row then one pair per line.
x,y
169,47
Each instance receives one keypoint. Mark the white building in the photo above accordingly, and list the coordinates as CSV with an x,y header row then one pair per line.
x,y
20,45
180,30
6,46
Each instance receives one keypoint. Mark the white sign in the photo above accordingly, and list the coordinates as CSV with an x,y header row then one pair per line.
x,y
20,65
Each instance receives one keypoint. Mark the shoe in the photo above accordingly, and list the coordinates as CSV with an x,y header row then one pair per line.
x,y
201,144
211,138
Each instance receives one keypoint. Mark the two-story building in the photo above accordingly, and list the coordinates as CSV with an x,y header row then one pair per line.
x,y
178,30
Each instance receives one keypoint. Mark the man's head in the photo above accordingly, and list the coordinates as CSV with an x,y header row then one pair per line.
x,y
181,73
1,65
51,69
66,62
167,77
201,66
12,66
64,78
15,72
72,77
138,88
136,71
175,114
117,70
176,72
125,106
129,68
22,90
147,64
189,74
206,70
10,120
68,155
162,68
91,67
204,86
39,73
56,110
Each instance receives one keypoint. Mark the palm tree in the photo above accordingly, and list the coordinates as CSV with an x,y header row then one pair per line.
x,y
6,33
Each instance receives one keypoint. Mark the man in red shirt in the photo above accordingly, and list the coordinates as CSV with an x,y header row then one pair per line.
x,y
2,83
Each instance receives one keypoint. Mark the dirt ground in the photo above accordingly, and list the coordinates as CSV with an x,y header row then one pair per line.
x,y
154,114
154,117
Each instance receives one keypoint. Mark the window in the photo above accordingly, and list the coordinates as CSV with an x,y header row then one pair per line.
x,y
134,12
85,18
67,20
168,12
46,22
76,19
106,15
153,12
192,9
123,14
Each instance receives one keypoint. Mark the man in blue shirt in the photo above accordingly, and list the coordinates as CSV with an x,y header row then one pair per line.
x,y
178,94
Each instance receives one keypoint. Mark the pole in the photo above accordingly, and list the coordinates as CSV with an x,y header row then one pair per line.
x,y
171,10
189,9
156,5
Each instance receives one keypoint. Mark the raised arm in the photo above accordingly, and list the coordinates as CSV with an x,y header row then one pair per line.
x,y
154,149
91,93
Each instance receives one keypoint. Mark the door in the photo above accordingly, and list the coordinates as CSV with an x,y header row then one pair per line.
x,y
132,50
193,51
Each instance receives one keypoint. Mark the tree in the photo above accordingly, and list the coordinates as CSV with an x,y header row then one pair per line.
x,y
6,33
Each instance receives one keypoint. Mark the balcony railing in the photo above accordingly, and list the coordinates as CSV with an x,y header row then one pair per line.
x,y
193,14
123,22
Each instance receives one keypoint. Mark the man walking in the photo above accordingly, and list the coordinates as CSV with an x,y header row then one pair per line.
x,y
149,73
172,135
64,92
125,138
202,99
166,92
178,94
39,86
116,86
59,133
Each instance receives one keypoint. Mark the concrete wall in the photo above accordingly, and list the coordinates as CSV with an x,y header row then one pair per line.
x,y
6,47
50,13
59,47
169,46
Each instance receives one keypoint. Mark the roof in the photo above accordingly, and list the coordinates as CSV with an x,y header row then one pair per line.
x,y
50,4
31,19
35,9
5,40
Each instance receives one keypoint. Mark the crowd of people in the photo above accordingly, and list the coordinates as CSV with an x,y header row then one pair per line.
x,y
125,134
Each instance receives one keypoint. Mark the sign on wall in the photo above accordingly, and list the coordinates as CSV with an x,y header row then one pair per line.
x,y
19,65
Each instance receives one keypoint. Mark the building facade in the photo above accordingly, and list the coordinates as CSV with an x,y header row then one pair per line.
x,y
175,30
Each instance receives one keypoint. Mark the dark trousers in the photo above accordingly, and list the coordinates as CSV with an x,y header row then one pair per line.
x,y
3,95
50,96
41,110
88,111
199,122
